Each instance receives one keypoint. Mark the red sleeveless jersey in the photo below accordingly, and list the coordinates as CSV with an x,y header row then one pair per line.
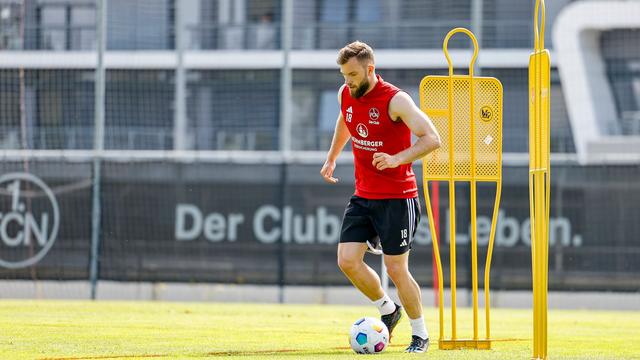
x,y
372,131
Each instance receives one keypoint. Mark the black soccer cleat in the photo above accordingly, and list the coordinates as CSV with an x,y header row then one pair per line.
x,y
391,320
418,345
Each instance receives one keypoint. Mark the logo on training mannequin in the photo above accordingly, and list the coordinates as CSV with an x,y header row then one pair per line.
x,y
29,220
486,113
362,130
374,114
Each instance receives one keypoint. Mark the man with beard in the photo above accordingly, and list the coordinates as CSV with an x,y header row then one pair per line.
x,y
379,119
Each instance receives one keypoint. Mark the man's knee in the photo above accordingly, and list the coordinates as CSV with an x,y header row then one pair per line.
x,y
397,270
348,264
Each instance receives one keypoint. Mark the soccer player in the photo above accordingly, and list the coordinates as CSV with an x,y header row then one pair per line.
x,y
379,119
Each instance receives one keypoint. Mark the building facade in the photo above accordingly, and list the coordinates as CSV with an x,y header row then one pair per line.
x,y
233,62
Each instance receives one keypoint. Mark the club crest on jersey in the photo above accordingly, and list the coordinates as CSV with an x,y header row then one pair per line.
x,y
362,130
374,114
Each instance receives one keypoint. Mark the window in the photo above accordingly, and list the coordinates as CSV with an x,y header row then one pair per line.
x,y
333,26
622,60
63,26
53,21
264,24
139,25
139,109
10,23
234,109
83,25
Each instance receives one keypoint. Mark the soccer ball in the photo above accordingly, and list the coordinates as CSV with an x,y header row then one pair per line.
x,y
369,336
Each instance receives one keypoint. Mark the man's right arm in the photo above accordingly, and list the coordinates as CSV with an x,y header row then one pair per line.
x,y
340,138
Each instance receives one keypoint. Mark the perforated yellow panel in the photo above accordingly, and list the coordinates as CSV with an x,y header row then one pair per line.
x,y
487,124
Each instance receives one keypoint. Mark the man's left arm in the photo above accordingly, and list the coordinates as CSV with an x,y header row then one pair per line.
x,y
402,108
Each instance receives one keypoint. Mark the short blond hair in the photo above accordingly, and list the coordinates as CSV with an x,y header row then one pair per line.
x,y
357,49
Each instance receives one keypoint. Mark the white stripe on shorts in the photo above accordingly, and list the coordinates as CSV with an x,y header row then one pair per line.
x,y
412,214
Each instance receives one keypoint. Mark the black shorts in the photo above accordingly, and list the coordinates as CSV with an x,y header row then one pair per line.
x,y
392,222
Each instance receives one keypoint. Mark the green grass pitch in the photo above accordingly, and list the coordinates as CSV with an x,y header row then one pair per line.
x,y
36,329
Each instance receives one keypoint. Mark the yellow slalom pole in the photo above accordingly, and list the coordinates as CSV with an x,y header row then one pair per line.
x,y
452,254
534,261
539,179
487,268
452,215
452,192
436,250
474,228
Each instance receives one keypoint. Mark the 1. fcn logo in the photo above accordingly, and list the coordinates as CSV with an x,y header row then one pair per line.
x,y
29,220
